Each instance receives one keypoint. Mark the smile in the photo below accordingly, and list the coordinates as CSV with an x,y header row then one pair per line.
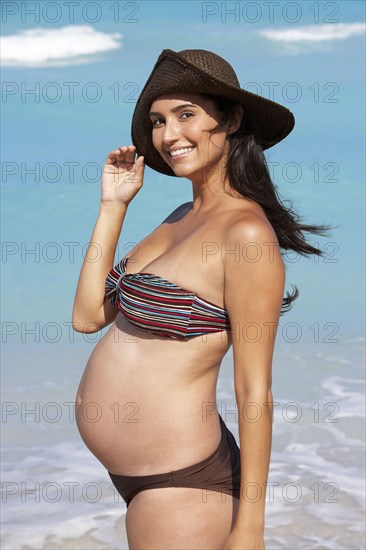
x,y
178,153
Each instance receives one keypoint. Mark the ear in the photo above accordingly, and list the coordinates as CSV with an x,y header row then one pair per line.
x,y
237,119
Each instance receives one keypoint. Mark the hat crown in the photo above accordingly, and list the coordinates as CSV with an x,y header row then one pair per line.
x,y
213,64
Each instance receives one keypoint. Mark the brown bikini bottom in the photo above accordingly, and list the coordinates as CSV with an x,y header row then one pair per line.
x,y
219,472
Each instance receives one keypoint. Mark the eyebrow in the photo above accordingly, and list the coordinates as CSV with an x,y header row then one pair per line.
x,y
175,109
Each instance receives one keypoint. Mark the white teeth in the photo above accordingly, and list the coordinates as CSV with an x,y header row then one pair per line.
x,y
181,151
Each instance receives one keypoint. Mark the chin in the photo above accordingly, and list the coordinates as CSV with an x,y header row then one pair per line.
x,y
183,169
183,173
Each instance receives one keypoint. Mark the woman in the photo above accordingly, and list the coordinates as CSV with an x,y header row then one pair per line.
x,y
211,275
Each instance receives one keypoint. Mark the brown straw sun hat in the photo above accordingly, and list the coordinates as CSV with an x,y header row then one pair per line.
x,y
202,71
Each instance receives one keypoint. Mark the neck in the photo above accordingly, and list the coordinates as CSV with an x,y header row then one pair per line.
x,y
210,188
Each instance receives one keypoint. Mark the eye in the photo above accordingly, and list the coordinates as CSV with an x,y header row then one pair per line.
x,y
155,120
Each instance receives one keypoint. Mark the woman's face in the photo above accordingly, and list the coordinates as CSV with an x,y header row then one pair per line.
x,y
180,133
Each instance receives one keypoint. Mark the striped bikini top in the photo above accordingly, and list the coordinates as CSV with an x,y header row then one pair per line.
x,y
163,308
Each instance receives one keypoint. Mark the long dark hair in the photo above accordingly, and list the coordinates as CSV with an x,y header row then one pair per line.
x,y
247,172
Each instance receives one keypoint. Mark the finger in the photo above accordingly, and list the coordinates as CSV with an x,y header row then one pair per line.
x,y
130,153
140,162
140,168
122,152
115,155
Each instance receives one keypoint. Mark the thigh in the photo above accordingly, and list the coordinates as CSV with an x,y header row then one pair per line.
x,y
180,518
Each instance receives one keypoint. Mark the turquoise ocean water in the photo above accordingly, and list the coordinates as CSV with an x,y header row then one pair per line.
x,y
54,145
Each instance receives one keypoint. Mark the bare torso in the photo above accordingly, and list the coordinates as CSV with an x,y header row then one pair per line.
x,y
141,400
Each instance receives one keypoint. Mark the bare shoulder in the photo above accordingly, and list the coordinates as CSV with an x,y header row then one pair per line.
x,y
253,235
255,272
248,226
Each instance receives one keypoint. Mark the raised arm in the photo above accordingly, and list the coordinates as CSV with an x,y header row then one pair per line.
x,y
121,180
254,286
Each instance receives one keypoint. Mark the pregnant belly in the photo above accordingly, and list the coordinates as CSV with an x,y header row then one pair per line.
x,y
135,403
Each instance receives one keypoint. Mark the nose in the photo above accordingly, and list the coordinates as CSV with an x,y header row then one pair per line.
x,y
171,131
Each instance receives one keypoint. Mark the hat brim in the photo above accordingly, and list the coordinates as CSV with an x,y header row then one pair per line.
x,y
270,121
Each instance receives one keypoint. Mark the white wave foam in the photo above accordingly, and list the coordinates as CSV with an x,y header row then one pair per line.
x,y
55,482
349,393
315,33
54,47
